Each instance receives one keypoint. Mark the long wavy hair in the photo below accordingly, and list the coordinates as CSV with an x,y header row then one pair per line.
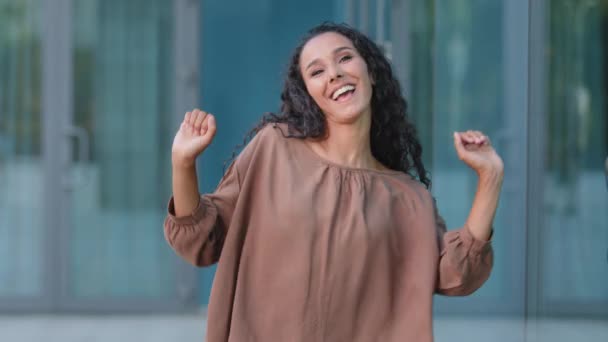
x,y
394,140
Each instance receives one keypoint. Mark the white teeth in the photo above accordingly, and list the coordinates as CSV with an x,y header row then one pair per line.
x,y
341,91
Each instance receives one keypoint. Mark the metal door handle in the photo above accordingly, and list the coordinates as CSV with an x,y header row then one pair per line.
x,y
83,142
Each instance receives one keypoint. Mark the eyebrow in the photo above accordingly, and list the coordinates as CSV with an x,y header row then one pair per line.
x,y
337,50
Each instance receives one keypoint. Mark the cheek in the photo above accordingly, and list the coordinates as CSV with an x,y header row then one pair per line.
x,y
316,92
370,82
363,70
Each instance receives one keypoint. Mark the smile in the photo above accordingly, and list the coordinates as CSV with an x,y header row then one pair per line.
x,y
343,93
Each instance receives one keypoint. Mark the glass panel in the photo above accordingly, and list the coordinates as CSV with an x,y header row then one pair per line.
x,y
21,161
121,178
575,232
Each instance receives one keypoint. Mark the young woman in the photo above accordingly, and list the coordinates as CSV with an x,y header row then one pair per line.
x,y
323,227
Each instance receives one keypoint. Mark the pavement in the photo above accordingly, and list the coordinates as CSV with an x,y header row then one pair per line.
x,y
191,327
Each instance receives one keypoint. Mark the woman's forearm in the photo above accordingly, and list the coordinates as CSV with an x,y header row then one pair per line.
x,y
185,189
194,135
484,205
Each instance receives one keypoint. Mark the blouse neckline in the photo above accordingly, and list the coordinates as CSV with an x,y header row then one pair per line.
x,y
330,163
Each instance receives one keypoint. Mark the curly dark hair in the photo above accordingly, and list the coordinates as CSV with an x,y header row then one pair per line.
x,y
394,140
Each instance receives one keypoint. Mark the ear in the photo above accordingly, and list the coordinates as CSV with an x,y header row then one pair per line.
x,y
372,79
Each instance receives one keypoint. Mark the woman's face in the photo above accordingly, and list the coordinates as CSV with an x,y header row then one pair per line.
x,y
337,78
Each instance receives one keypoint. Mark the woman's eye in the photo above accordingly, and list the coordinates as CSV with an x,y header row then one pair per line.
x,y
316,72
346,58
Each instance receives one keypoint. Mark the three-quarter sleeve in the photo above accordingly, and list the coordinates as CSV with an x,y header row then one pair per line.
x,y
198,238
464,262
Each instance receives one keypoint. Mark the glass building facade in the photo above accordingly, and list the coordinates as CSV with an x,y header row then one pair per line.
x,y
91,92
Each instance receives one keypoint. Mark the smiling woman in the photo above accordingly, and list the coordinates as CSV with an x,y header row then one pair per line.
x,y
323,228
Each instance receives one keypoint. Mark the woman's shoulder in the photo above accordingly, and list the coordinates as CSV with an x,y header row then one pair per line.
x,y
268,136
274,131
266,141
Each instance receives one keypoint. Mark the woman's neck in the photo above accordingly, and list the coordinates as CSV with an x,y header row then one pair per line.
x,y
348,145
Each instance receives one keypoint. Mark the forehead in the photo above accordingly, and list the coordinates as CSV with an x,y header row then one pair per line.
x,y
323,45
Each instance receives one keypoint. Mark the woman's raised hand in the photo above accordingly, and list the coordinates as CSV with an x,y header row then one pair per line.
x,y
475,150
194,135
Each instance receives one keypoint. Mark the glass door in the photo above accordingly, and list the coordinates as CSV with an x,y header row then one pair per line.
x,y
24,158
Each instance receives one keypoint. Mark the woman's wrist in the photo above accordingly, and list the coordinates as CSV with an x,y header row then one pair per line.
x,y
180,162
491,178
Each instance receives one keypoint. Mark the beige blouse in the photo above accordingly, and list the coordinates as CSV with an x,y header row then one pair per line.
x,y
308,250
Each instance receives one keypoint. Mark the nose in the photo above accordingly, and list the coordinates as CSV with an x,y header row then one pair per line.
x,y
335,73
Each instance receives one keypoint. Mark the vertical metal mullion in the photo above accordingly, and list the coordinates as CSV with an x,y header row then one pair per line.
x,y
380,21
516,67
349,12
535,160
56,112
400,43
187,56
187,61
364,16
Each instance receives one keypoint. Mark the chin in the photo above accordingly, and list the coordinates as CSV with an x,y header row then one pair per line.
x,y
347,117
352,113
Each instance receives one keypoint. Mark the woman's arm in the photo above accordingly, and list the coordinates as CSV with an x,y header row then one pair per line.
x,y
484,205
193,226
475,150
185,189
466,257
194,136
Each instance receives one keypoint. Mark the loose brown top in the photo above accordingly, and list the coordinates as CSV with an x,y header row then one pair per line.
x,y
309,250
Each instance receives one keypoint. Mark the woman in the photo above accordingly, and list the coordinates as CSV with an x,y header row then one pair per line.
x,y
323,227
